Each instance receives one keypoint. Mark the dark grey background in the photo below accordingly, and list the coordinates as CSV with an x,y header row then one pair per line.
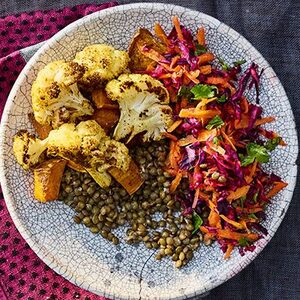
x,y
273,27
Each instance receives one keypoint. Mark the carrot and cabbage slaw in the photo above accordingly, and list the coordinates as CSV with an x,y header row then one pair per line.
x,y
217,141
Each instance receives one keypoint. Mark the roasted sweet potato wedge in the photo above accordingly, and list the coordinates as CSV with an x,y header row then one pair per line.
x,y
131,180
47,179
41,130
101,100
143,37
107,118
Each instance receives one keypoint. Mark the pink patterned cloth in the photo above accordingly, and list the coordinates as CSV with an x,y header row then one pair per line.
x,y
22,274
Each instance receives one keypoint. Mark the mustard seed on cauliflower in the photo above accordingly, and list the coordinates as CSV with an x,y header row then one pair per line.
x,y
102,63
56,98
86,144
143,104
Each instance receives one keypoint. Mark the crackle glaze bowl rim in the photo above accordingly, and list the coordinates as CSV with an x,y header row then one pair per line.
x,y
41,251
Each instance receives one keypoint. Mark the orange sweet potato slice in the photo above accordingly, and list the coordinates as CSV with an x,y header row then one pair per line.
x,y
47,179
101,100
131,180
143,37
106,118
41,130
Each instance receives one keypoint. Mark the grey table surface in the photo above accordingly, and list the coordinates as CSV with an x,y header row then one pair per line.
x,y
273,27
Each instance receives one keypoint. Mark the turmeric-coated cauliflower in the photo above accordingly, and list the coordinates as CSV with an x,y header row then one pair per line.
x,y
56,98
85,144
102,63
143,104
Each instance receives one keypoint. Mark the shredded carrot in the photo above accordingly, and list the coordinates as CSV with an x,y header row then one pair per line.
x,y
214,219
184,103
175,182
209,236
160,33
253,169
177,72
150,67
204,196
228,139
154,55
204,101
192,76
242,123
189,139
170,136
201,36
248,179
204,229
205,134
174,61
174,155
174,126
229,249
264,121
186,80
164,76
278,186
217,148
177,27
208,150
249,210
216,80
244,223
233,223
227,234
205,70
205,58
238,193
244,105
192,113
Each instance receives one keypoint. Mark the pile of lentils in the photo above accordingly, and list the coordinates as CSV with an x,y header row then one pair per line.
x,y
152,215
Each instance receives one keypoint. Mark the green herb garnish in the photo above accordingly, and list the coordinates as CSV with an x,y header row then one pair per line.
x,y
243,242
255,152
242,200
224,66
215,140
255,197
239,62
197,222
215,122
222,99
273,143
252,216
185,91
201,91
200,49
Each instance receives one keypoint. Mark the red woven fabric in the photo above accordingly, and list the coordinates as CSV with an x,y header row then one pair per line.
x,y
22,274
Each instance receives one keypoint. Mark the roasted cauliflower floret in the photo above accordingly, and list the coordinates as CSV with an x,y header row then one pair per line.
x,y
143,104
28,150
102,63
85,144
56,98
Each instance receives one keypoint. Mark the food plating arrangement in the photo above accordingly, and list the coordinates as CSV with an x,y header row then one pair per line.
x,y
164,139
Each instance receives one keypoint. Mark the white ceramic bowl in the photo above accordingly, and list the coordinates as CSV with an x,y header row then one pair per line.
x,y
88,260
